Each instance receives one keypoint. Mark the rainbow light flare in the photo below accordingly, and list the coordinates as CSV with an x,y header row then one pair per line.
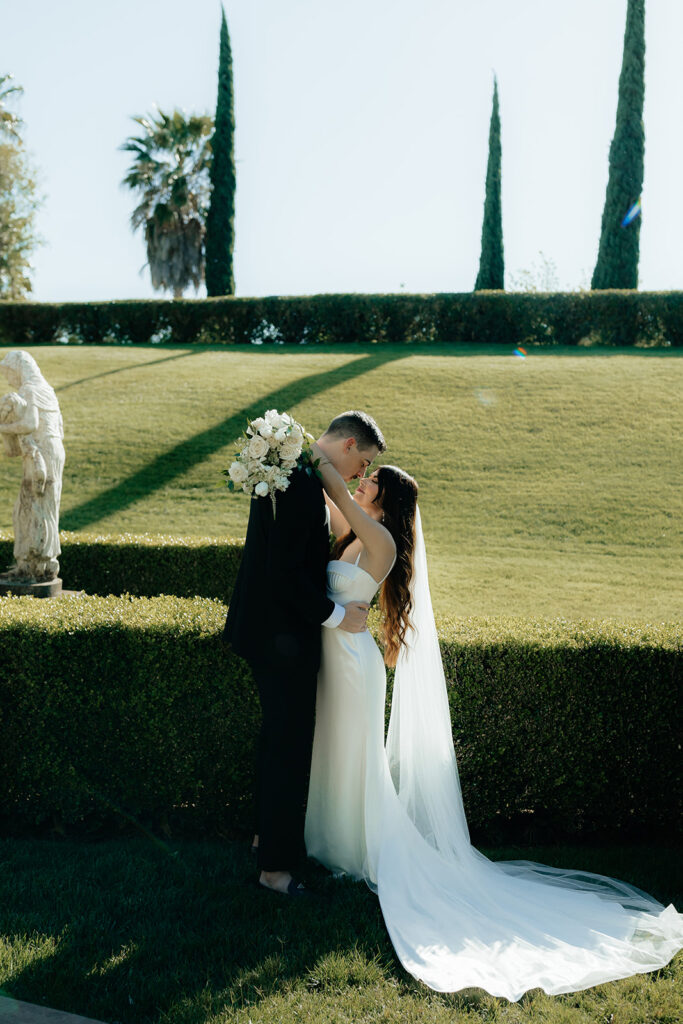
x,y
520,353
632,214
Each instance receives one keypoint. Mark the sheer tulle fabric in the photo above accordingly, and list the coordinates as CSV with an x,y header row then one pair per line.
x,y
395,817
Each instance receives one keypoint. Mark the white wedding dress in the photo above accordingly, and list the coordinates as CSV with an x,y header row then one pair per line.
x,y
394,817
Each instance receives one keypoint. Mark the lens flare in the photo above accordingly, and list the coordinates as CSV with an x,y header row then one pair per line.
x,y
632,214
520,353
485,397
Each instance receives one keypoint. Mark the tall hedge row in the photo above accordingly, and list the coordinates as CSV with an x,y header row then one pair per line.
x,y
144,565
606,318
129,712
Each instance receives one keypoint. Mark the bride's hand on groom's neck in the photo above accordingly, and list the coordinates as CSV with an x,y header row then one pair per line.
x,y
332,480
316,453
324,464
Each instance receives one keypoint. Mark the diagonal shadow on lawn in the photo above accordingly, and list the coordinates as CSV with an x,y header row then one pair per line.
x,y
171,464
125,369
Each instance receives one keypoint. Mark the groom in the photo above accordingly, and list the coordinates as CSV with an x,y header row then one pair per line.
x,y
277,608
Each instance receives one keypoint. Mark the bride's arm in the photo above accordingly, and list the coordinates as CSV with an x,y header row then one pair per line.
x,y
379,544
338,522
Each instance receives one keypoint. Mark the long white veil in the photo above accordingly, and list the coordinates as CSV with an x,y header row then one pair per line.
x,y
420,740
455,917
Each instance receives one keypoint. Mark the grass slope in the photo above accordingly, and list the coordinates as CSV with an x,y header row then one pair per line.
x,y
131,931
549,485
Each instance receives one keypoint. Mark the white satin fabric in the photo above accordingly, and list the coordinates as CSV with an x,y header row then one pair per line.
x,y
394,817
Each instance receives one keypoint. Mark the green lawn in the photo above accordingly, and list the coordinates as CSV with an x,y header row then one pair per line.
x,y
134,931
549,485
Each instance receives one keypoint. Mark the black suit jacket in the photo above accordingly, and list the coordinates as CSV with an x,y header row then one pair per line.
x,y
280,599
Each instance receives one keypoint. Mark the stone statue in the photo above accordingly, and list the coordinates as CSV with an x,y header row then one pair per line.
x,y
31,427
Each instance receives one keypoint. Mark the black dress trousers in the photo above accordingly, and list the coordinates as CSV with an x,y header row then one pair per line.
x,y
274,622
284,762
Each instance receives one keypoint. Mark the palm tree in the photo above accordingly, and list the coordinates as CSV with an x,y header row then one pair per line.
x,y
170,171
9,123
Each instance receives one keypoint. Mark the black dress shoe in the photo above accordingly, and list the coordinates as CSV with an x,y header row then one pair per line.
x,y
298,889
295,889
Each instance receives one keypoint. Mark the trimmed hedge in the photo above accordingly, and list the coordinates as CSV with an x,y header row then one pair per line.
x,y
119,708
144,565
571,725
116,711
511,318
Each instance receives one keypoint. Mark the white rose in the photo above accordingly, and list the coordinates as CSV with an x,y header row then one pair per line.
x,y
282,483
273,417
290,450
287,465
281,434
273,441
257,424
261,489
266,430
238,472
258,446
296,434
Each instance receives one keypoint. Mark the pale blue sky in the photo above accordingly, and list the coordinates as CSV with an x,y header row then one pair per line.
x,y
361,135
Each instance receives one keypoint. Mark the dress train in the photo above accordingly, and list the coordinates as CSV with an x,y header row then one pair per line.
x,y
393,816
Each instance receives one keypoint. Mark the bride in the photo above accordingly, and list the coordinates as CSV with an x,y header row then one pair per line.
x,y
393,815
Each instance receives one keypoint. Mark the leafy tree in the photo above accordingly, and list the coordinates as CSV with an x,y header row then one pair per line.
x,y
619,251
19,202
492,263
170,172
10,123
220,224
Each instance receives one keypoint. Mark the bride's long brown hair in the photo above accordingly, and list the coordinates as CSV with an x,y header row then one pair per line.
x,y
397,498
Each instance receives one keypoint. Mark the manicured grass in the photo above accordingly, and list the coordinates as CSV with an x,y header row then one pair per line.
x,y
135,931
549,485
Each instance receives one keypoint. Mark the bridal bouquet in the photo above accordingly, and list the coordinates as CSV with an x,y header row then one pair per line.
x,y
271,447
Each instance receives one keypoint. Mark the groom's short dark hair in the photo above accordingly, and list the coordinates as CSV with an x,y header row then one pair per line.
x,y
360,426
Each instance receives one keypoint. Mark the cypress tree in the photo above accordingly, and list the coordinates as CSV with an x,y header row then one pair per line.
x,y
491,263
617,263
220,221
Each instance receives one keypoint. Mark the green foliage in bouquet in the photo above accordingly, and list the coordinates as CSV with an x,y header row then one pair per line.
x,y
271,447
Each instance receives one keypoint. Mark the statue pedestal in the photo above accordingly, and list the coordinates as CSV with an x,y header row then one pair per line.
x,y
50,588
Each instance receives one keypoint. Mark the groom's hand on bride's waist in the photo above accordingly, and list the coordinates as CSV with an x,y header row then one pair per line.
x,y
355,617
